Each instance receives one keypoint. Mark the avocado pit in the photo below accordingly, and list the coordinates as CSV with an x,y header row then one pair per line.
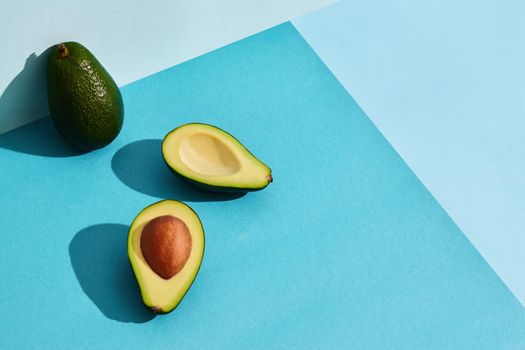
x,y
166,245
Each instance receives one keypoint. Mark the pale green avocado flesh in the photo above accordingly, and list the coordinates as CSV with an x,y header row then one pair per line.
x,y
211,158
159,294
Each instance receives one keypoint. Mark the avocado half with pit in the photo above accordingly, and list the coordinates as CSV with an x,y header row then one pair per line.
x,y
213,159
165,249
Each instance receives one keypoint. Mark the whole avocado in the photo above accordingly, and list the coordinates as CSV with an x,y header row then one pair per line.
x,y
85,103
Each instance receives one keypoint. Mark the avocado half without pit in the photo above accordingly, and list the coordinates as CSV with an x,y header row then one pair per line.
x,y
211,158
165,249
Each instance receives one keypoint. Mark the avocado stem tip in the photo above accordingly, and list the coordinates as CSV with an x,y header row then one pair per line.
x,y
63,51
269,178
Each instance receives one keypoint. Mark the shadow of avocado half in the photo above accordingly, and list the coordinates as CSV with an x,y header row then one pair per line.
x,y
139,165
99,258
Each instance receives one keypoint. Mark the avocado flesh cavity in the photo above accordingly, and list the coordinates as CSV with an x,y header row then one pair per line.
x,y
211,158
84,101
159,294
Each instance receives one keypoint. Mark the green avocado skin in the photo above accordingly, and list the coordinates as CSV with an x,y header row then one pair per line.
x,y
85,103
218,189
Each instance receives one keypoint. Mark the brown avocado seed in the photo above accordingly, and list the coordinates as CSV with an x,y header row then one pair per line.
x,y
166,245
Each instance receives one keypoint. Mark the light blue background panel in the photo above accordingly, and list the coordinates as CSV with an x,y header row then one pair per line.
x,y
444,81
345,249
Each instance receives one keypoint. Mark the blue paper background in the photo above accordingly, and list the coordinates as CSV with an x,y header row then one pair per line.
x,y
345,248
444,81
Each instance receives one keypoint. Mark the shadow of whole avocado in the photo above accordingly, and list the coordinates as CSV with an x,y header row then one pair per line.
x,y
38,138
99,258
139,165
25,98
68,82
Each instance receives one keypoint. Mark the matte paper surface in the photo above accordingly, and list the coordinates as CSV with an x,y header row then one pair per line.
x,y
131,40
345,249
444,81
